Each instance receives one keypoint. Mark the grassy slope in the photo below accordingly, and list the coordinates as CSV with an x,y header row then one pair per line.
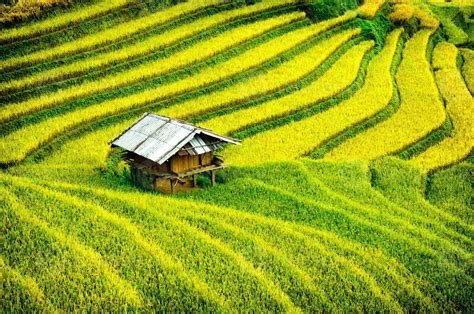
x,y
367,247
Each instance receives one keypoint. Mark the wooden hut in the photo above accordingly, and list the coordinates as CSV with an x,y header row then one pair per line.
x,y
167,154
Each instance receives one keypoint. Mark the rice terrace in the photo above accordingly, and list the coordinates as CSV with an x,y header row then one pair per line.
x,y
236,156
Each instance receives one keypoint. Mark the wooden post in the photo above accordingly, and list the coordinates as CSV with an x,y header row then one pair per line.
x,y
194,181
172,186
213,177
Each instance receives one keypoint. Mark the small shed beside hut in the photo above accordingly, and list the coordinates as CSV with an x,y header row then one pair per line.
x,y
166,154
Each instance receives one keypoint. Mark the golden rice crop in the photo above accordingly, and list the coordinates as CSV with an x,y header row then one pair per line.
x,y
426,18
405,9
402,13
149,45
370,7
336,79
444,56
272,80
181,59
301,137
17,145
109,35
460,107
420,112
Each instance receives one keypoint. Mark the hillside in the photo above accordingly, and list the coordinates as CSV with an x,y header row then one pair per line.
x,y
352,189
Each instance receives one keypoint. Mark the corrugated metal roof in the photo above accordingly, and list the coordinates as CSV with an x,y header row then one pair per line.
x,y
158,138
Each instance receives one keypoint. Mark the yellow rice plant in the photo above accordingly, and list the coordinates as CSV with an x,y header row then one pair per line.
x,y
421,110
468,68
272,80
402,13
427,19
301,137
177,61
336,79
370,7
107,36
16,146
154,43
460,107
405,9
444,56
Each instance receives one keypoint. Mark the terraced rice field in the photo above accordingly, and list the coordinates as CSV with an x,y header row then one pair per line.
x,y
351,191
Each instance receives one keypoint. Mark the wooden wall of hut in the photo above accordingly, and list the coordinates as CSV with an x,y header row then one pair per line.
x,y
181,164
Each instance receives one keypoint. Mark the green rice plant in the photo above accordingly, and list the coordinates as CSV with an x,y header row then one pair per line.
x,y
53,260
320,10
308,133
460,107
337,78
409,124
24,10
196,53
307,200
142,263
242,285
389,174
455,34
61,21
281,234
20,293
46,130
285,74
107,36
353,179
367,209
451,190
288,195
138,49
468,69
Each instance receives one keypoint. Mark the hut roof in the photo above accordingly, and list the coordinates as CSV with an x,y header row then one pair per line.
x,y
158,138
